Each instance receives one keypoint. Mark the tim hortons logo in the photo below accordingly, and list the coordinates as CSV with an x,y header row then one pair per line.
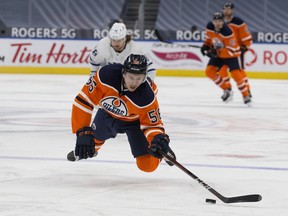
x,y
114,105
56,54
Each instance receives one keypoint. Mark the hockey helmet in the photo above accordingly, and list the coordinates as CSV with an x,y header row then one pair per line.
x,y
228,5
118,31
136,64
218,16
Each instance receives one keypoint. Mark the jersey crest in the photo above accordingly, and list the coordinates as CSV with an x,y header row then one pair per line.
x,y
217,43
114,105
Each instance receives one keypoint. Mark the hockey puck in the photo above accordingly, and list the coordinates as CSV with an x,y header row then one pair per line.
x,y
210,201
71,156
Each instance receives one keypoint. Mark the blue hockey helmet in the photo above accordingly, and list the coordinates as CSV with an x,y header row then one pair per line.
x,y
218,16
136,64
228,5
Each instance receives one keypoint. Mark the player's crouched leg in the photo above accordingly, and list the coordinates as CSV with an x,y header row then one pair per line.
x,y
147,163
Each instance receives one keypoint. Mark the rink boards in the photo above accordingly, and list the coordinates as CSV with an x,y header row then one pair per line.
x,y
47,56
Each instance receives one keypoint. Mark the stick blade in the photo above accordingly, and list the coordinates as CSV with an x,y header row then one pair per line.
x,y
246,198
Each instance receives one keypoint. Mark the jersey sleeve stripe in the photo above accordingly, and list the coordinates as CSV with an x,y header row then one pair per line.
x,y
84,102
82,108
246,38
93,63
86,98
148,132
144,127
152,69
233,49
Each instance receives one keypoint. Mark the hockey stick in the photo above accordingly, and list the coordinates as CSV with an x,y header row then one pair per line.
x,y
161,39
245,198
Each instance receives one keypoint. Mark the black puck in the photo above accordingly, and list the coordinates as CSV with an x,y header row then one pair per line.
x,y
71,156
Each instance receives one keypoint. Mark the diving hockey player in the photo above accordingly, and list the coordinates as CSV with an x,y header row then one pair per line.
x,y
128,104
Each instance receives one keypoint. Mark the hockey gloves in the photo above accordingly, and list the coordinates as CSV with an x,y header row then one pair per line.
x,y
204,49
243,48
85,145
160,142
209,51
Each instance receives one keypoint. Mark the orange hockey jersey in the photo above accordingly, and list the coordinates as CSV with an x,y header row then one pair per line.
x,y
241,31
224,41
106,90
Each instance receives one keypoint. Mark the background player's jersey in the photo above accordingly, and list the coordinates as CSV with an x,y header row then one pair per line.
x,y
241,31
106,90
104,54
224,41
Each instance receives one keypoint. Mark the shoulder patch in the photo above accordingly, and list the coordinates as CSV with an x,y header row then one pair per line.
x,y
226,31
143,96
210,26
111,75
237,21
95,52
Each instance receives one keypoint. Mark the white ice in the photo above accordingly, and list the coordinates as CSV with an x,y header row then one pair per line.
x,y
235,149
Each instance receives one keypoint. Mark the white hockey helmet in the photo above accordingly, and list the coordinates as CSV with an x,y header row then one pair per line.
x,y
118,31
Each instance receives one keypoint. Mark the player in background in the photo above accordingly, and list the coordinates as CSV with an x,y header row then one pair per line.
x,y
243,37
115,48
222,48
128,104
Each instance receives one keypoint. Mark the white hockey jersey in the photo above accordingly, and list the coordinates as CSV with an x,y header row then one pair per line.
x,y
104,54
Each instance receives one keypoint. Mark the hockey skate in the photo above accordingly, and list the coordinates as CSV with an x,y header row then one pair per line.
x,y
172,155
247,100
227,95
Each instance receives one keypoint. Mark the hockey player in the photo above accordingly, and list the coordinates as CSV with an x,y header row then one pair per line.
x,y
243,37
222,48
115,48
128,104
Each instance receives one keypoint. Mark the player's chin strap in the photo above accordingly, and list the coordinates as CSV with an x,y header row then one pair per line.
x,y
122,87
245,198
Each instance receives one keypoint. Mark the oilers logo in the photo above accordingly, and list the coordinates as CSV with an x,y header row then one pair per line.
x,y
114,105
217,43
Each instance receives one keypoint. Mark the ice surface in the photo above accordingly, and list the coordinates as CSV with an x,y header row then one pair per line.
x,y
235,149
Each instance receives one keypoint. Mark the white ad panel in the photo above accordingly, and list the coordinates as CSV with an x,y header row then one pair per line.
x,y
75,53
